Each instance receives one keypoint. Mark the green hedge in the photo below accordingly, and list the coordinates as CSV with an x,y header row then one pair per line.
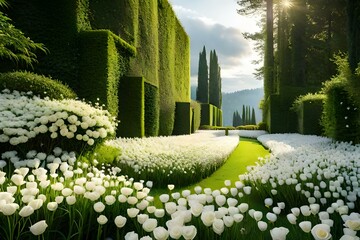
x,y
104,59
166,23
309,110
206,114
341,117
39,85
196,115
182,123
55,23
131,107
151,110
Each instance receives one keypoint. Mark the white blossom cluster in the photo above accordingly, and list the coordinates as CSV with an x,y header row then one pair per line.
x,y
183,155
250,133
23,117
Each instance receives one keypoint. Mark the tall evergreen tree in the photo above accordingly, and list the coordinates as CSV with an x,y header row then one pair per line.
x,y
243,115
214,80
202,92
234,119
253,118
353,12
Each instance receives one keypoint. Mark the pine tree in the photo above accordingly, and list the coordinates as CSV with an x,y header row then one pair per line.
x,y
202,93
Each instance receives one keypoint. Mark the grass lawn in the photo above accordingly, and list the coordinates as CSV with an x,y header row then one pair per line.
x,y
246,153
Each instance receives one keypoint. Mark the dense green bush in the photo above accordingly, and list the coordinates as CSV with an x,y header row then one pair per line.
x,y
248,127
104,59
182,123
341,116
309,109
196,108
206,114
151,109
262,126
131,107
40,85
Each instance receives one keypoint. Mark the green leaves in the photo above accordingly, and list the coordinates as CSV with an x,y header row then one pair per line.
x,y
14,45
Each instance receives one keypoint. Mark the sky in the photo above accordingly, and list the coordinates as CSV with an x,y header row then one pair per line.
x,y
217,25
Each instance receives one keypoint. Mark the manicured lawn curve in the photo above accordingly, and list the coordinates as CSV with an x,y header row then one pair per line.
x,y
179,160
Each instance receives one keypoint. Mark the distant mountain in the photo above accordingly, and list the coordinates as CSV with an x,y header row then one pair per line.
x,y
234,101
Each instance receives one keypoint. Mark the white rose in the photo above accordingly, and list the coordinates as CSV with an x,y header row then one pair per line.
x,y
120,221
102,219
353,224
99,207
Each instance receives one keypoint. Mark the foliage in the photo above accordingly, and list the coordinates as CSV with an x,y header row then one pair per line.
x,y
103,154
237,121
214,81
37,84
131,107
151,119
32,123
174,159
202,91
247,127
196,108
309,97
14,45
182,124
353,12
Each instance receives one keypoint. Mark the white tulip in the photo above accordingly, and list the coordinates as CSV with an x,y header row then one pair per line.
x,y
291,218
141,218
132,212
170,207
38,228
305,210
160,233
258,215
243,207
159,213
271,217
120,221
131,236
102,219
71,200
164,198
262,226
207,218
218,226
353,224
26,211
279,233
268,202
99,207
189,232
52,206
305,226
321,232
149,225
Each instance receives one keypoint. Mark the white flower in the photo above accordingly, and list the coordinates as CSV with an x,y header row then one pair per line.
x,y
189,232
71,200
348,237
170,207
52,206
262,225
238,217
159,213
141,218
196,209
171,187
160,233
305,226
102,219
321,232
120,221
243,207
291,218
271,217
164,198
99,207
305,210
279,233
247,190
207,218
36,203
38,228
17,179
9,209
131,236
220,200
132,212
26,211
353,224
149,225
218,226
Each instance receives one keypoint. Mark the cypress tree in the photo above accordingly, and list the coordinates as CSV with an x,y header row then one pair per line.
x,y
243,115
214,80
253,118
202,93
234,119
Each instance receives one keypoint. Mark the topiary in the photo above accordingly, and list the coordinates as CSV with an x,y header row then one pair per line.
x,y
39,85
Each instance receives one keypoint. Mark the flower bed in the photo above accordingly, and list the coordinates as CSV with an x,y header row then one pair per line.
x,y
178,160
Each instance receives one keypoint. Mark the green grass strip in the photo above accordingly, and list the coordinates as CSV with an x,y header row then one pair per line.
x,y
245,154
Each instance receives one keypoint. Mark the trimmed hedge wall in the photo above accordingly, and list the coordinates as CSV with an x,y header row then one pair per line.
x,y
206,114
151,110
309,117
131,107
103,60
166,67
196,115
341,117
182,123
39,85
56,24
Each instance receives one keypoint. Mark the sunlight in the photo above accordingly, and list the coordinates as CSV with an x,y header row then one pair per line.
x,y
287,3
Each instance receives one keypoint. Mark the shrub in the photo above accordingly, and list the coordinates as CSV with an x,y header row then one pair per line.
x,y
151,109
38,84
30,123
262,126
182,124
196,108
247,127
